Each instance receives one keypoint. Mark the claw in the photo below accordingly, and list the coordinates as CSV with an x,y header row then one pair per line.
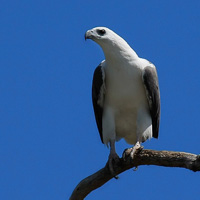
x,y
135,169
136,148
113,158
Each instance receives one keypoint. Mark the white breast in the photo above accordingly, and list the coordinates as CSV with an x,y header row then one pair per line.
x,y
126,112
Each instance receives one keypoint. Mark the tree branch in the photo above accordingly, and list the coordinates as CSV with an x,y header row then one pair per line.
x,y
144,157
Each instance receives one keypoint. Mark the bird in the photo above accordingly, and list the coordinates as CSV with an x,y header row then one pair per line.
x,y
125,94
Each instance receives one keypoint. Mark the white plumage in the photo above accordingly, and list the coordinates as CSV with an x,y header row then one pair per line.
x,y
126,95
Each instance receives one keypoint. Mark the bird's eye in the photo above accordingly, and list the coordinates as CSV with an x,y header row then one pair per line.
x,y
101,31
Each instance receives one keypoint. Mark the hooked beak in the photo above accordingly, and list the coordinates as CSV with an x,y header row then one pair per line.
x,y
89,34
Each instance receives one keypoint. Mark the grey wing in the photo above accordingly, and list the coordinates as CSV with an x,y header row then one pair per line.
x,y
98,87
150,80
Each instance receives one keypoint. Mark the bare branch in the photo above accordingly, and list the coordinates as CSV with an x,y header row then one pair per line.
x,y
144,157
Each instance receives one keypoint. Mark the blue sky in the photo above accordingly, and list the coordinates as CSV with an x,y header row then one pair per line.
x,y
48,136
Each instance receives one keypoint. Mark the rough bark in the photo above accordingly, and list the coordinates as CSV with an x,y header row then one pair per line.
x,y
143,157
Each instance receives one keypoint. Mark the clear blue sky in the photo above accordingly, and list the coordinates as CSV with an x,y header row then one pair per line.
x,y
48,136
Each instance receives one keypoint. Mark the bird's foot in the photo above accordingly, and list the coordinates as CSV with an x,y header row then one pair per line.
x,y
136,148
113,158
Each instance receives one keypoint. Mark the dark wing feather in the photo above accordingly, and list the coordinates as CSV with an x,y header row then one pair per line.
x,y
150,80
97,93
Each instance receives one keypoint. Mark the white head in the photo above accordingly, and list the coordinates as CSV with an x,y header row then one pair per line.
x,y
110,42
104,37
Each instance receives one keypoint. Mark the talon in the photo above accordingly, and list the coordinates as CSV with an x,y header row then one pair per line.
x,y
136,148
116,177
135,169
124,154
113,158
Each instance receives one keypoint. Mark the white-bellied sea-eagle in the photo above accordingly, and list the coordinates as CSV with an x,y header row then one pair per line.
x,y
125,93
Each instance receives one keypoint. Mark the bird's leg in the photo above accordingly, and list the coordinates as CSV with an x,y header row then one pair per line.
x,y
136,147
113,157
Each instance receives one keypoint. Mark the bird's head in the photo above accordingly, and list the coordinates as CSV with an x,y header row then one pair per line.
x,y
110,42
98,33
103,36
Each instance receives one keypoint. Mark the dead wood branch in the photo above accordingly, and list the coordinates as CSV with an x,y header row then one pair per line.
x,y
144,157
